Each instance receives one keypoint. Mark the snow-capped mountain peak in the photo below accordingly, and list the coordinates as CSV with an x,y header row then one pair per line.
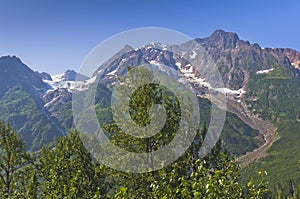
x,y
69,80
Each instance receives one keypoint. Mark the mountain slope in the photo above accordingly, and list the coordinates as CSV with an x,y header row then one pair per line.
x,y
20,109
22,106
262,84
275,96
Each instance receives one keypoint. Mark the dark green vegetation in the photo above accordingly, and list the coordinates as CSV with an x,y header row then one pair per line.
x,y
237,137
276,97
281,162
68,171
19,107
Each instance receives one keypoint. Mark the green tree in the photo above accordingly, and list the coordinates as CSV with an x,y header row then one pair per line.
x,y
259,188
12,157
216,176
195,177
296,194
67,170
144,97
28,185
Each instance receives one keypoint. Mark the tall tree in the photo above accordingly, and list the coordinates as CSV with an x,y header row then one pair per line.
x,y
12,157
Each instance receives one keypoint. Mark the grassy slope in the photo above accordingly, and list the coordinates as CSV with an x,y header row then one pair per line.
x,y
278,101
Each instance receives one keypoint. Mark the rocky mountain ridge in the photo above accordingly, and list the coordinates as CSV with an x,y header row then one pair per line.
x,y
237,61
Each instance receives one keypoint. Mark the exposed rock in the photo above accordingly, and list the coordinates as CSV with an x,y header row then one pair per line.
x,y
44,76
71,75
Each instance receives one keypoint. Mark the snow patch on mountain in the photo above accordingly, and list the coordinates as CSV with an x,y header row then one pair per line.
x,y
57,78
52,101
190,76
178,64
158,45
265,71
239,92
159,65
193,56
112,72
59,82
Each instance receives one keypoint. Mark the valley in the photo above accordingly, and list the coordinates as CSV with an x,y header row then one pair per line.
x,y
267,130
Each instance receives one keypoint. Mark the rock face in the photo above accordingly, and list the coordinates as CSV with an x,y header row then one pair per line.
x,y
71,75
222,41
44,76
235,58
58,104
292,55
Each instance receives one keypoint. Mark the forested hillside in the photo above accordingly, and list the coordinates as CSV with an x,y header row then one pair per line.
x,y
69,171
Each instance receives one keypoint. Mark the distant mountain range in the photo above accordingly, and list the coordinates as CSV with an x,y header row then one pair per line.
x,y
262,86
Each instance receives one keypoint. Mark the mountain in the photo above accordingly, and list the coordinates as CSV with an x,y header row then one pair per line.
x,y
43,75
237,58
14,72
262,87
22,105
34,102
71,75
238,62
234,58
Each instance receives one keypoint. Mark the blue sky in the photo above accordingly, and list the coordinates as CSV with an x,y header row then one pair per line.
x,y
52,36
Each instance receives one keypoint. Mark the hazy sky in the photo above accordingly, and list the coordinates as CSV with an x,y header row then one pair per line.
x,y
53,36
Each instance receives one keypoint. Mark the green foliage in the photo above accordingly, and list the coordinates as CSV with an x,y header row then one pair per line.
x,y
296,192
68,171
143,99
237,137
259,189
280,72
12,157
215,176
296,195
